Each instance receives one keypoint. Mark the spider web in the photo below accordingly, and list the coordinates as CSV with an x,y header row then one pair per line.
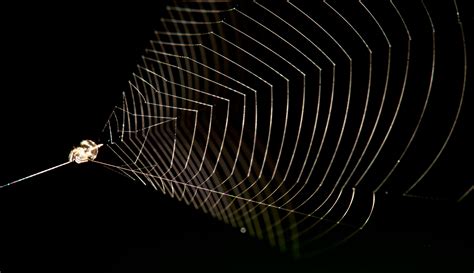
x,y
288,119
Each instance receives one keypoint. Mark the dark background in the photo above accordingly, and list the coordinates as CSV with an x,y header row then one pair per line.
x,y
63,69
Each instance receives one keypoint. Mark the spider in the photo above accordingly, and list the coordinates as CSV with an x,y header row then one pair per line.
x,y
87,151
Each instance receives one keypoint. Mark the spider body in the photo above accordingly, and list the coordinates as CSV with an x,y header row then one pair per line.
x,y
87,151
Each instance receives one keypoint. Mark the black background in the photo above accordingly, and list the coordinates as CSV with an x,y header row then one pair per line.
x,y
63,68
